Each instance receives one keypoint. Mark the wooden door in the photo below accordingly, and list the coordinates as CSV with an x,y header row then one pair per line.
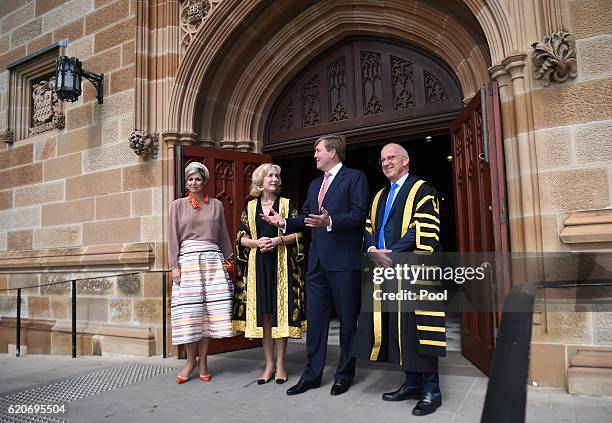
x,y
480,205
229,182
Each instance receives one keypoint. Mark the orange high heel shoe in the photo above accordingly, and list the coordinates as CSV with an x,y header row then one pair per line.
x,y
206,378
180,379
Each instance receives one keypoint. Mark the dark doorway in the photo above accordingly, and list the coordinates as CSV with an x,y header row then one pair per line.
x,y
429,159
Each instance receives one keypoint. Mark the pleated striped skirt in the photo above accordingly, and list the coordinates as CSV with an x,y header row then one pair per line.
x,y
201,306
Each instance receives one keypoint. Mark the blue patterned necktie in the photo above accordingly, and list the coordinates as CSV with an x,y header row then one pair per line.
x,y
381,233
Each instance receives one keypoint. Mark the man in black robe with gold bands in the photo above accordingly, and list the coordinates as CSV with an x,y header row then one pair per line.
x,y
404,217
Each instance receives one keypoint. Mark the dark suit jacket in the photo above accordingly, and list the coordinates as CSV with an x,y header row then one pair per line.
x,y
346,201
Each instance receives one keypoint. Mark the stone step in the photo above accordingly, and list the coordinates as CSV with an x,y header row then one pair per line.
x,y
598,357
591,372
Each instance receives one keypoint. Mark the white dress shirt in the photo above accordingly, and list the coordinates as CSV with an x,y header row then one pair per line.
x,y
399,183
332,174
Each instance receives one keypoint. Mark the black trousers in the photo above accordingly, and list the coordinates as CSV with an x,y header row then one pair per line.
x,y
323,287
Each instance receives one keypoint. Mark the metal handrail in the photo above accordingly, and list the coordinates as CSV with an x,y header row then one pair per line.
x,y
74,307
506,397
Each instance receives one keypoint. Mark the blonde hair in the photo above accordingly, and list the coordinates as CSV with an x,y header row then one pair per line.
x,y
258,176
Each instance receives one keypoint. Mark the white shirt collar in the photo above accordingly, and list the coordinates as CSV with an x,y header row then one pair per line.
x,y
334,170
401,180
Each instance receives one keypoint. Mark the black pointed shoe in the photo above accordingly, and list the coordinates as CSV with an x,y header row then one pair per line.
x,y
339,387
262,381
428,403
302,386
404,392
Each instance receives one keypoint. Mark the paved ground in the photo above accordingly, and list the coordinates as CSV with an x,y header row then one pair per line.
x,y
110,389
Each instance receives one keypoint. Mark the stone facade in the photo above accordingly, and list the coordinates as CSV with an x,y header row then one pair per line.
x,y
73,196
92,195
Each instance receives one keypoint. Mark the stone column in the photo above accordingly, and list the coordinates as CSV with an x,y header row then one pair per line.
x,y
519,149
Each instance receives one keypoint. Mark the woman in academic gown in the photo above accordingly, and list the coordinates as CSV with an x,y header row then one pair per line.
x,y
269,291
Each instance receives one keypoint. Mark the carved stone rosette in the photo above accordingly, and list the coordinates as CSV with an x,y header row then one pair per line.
x,y
554,58
144,144
46,114
7,136
193,13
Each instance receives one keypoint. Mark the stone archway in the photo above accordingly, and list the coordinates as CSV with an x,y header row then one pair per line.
x,y
238,80
246,52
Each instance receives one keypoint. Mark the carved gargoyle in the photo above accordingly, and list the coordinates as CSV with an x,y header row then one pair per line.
x,y
554,58
144,144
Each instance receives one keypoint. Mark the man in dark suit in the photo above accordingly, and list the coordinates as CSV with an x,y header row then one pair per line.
x,y
404,217
335,211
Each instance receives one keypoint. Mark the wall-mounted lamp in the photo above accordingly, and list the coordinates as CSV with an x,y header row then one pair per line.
x,y
68,73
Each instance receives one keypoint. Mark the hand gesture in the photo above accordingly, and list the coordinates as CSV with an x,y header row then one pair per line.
x,y
269,244
275,220
261,242
318,220
176,276
380,257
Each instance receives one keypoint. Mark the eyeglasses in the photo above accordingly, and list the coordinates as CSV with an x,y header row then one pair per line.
x,y
382,160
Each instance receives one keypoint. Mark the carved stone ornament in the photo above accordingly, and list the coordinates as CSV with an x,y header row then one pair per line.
x,y
46,115
144,144
193,13
554,58
8,136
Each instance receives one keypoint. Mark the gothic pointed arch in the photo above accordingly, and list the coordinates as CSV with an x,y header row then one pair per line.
x,y
377,87
247,52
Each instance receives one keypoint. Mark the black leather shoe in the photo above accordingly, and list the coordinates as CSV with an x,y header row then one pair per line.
x,y
404,392
340,387
427,404
302,386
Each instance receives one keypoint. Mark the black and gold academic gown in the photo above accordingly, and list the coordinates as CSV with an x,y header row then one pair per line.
x,y
413,338
270,282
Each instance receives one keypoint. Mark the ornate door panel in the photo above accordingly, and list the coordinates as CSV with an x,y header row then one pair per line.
x,y
480,213
230,182
368,88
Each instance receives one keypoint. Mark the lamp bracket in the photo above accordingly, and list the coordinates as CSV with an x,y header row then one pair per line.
x,y
97,80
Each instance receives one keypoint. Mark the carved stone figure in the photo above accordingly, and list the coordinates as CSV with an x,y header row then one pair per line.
x,y
554,58
144,144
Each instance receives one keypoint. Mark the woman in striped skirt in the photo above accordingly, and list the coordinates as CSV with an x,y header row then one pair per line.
x,y
201,306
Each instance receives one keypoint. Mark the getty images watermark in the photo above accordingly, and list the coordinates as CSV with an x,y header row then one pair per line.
x,y
480,281
426,281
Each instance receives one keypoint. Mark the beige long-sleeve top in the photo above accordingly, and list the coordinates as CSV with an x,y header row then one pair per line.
x,y
204,224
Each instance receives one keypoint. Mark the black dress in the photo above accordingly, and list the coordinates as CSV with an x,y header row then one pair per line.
x,y
271,282
266,268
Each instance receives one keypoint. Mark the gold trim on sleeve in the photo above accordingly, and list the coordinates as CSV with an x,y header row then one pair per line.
x,y
424,200
431,328
429,313
434,343
428,216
